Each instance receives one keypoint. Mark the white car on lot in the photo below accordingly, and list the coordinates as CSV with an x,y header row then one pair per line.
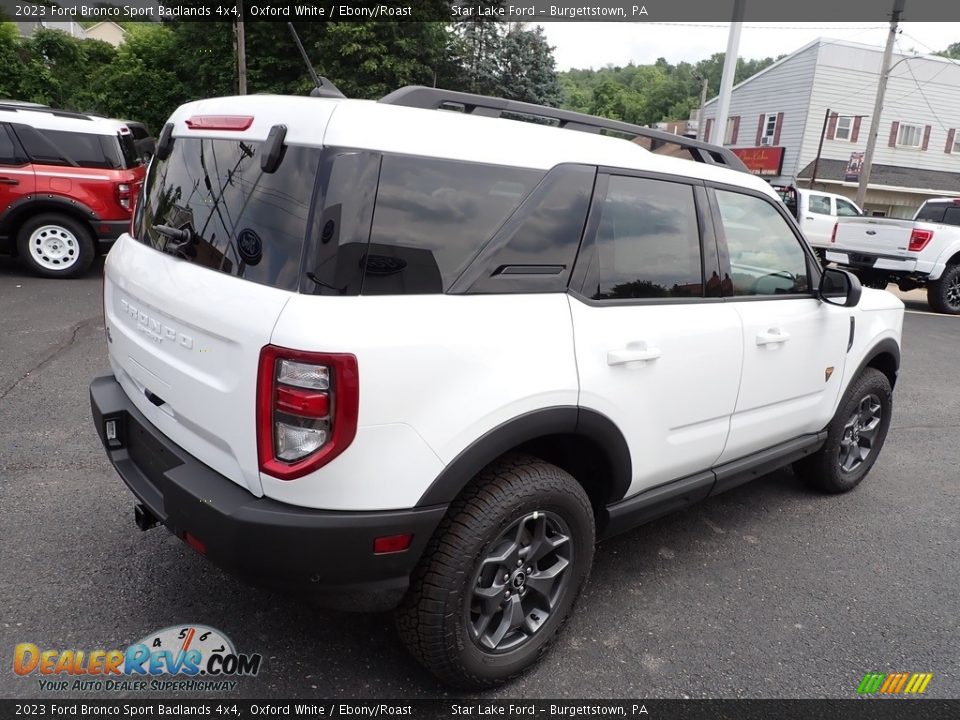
x,y
817,212
404,357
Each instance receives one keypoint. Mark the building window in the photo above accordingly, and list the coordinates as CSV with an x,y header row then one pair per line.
x,y
769,129
910,136
733,129
954,145
844,127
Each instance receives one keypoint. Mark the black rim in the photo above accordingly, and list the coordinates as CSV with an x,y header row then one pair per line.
x,y
520,582
860,433
953,292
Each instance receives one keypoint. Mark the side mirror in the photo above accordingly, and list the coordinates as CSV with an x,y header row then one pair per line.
x,y
839,287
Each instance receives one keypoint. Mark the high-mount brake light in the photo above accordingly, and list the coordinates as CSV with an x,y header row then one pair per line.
x,y
307,406
220,122
919,239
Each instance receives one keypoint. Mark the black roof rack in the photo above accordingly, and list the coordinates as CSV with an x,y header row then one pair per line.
x,y
436,99
15,107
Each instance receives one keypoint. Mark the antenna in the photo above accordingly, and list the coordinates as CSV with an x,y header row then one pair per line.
x,y
324,88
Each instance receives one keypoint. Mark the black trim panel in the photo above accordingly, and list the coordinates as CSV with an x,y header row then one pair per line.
x,y
678,494
886,346
737,472
22,206
325,553
564,420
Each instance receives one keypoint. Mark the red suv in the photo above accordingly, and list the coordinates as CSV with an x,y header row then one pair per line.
x,y
67,185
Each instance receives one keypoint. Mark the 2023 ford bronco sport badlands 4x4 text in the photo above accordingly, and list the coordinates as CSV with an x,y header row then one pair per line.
x,y
424,359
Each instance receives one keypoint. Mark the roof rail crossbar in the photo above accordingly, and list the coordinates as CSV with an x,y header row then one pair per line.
x,y
427,98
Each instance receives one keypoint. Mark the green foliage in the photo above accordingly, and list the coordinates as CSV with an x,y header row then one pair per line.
x,y
952,51
162,65
646,94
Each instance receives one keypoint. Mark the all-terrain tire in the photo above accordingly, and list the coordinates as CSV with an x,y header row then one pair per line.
x,y
943,294
436,619
841,464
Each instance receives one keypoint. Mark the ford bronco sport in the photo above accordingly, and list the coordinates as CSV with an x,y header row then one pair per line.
x,y
67,183
412,354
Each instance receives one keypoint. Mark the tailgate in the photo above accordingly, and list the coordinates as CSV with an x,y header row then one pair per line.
x,y
883,237
184,343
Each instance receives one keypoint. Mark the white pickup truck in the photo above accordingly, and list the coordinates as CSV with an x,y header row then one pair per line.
x,y
922,252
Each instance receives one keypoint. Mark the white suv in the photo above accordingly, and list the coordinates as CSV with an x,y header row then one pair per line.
x,y
405,357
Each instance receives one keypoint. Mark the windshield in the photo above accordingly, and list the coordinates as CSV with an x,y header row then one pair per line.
x,y
238,219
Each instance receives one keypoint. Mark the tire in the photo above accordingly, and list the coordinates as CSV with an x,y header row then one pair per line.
x,y
514,507
839,465
55,246
943,294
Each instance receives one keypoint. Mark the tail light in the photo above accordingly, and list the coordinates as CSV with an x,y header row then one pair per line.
x,y
919,239
307,405
833,237
123,194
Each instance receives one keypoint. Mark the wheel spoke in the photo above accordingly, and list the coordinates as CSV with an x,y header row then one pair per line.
x,y
512,619
543,544
544,582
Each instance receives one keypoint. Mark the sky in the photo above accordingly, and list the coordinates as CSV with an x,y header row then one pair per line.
x,y
594,44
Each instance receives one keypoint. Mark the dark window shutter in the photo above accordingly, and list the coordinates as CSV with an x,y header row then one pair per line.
x,y
894,127
832,126
707,129
855,133
777,128
760,122
736,130
926,138
950,137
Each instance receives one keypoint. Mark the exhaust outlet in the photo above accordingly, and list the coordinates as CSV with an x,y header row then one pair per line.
x,y
144,518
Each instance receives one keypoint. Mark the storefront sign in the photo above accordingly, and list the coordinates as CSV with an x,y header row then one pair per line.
x,y
761,160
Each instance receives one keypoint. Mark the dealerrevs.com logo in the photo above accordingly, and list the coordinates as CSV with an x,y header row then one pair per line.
x,y
177,658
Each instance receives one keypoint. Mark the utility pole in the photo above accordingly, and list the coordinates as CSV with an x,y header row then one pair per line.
x,y
878,104
241,51
701,130
816,162
729,70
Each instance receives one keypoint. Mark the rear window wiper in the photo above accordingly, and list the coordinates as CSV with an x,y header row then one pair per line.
x,y
182,238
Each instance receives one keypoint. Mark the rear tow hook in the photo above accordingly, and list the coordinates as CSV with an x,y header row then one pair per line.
x,y
144,518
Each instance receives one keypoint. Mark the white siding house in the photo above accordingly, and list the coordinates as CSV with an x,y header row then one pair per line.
x,y
782,110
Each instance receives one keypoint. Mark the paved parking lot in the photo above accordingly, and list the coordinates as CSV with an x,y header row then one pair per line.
x,y
767,591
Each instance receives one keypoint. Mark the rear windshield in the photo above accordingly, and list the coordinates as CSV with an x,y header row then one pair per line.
x,y
76,149
241,221
940,212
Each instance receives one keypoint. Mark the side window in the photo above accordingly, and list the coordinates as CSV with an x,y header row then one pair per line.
x,y
819,204
846,209
647,242
766,258
432,217
10,154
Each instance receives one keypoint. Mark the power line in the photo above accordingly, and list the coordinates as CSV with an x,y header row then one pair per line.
x,y
922,94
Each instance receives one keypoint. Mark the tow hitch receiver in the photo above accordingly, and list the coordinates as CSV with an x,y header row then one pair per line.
x,y
144,518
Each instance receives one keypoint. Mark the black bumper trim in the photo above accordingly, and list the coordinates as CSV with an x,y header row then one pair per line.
x,y
109,230
265,542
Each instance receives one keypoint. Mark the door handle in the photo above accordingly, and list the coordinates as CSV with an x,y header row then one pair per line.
x,y
772,336
633,352
809,218
9,181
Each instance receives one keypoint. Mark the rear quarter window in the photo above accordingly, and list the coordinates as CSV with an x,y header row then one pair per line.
x,y
433,216
75,149
244,222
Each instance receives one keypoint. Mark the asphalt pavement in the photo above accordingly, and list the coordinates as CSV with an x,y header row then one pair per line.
x,y
770,590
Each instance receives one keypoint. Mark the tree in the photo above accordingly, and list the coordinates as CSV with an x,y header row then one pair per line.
x,y
478,49
952,51
528,70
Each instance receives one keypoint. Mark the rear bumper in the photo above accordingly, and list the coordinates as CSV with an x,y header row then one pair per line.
x,y
871,261
108,231
326,553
